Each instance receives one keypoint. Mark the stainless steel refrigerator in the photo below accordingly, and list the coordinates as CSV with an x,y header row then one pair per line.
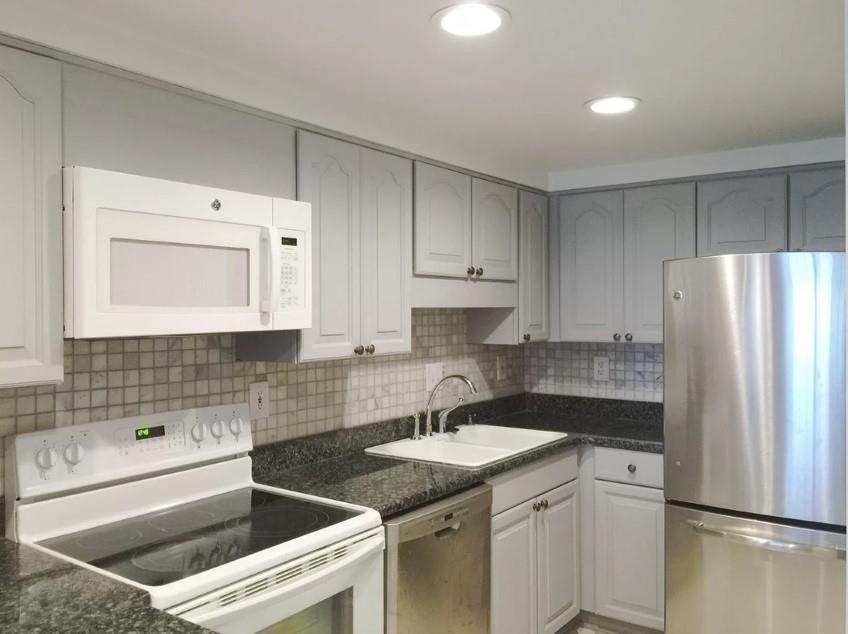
x,y
755,444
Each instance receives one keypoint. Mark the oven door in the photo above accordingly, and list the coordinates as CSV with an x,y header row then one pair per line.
x,y
336,590
146,256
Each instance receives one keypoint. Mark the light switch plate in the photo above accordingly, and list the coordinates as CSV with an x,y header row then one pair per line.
x,y
434,373
259,404
600,370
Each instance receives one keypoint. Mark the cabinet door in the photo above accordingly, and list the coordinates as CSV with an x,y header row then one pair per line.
x,y
386,252
817,210
442,221
629,553
30,219
659,225
514,596
742,215
328,176
533,267
494,230
559,556
590,266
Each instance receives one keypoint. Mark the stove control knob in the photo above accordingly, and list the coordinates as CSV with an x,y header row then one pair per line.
x,y
74,453
217,428
236,426
46,458
198,432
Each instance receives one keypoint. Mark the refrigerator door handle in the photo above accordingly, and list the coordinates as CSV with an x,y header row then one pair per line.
x,y
825,552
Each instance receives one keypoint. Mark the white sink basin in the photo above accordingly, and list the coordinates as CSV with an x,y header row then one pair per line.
x,y
472,446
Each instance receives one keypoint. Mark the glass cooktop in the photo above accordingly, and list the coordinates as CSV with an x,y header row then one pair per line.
x,y
166,546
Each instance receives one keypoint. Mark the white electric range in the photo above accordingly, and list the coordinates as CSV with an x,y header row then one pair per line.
x,y
167,503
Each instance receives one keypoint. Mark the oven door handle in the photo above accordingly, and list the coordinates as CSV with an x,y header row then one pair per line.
x,y
206,613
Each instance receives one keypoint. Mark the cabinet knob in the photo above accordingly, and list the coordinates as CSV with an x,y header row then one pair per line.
x,y
616,337
631,468
544,504
479,271
216,204
527,336
358,350
370,349
628,337
470,270
536,506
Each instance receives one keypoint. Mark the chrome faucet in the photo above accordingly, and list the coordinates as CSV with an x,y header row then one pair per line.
x,y
443,415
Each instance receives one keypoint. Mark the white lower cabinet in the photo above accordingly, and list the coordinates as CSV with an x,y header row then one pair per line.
x,y
629,553
535,561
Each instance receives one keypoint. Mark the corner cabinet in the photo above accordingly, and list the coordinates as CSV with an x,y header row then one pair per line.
x,y
817,210
590,261
535,548
742,215
362,251
30,219
611,248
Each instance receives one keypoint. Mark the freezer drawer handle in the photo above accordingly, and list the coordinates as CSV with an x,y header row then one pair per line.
x,y
825,552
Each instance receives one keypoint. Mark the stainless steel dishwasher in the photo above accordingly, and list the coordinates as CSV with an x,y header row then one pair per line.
x,y
437,566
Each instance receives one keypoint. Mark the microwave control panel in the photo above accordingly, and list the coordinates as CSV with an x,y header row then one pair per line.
x,y
292,292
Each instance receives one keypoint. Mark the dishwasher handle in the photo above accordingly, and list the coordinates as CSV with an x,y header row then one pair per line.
x,y
442,519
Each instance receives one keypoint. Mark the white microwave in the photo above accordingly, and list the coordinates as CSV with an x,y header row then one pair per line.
x,y
145,256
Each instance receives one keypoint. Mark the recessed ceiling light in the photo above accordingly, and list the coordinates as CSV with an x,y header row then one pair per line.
x,y
471,18
612,105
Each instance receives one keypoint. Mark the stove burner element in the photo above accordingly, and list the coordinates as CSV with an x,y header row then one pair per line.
x,y
271,522
177,523
185,558
109,540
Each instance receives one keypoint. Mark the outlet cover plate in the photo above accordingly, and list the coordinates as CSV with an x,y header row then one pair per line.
x,y
259,403
601,370
434,373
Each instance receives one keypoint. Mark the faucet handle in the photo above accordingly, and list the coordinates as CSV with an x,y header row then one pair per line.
x,y
416,434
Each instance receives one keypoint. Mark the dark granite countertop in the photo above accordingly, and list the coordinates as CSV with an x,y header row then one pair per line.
x,y
40,593
393,486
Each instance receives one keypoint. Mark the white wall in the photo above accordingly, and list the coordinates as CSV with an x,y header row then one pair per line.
x,y
762,157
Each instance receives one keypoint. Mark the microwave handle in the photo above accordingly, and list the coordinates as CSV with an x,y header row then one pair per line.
x,y
269,298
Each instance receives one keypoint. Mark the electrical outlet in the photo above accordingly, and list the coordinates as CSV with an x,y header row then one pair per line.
x,y
501,369
259,404
434,373
601,369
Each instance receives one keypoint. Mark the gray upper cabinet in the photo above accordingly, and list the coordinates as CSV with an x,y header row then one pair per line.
x,y
494,230
386,253
659,225
30,219
533,269
742,215
442,221
328,176
817,210
590,266
362,254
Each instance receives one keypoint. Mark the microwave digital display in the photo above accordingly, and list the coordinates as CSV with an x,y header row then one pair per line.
x,y
288,242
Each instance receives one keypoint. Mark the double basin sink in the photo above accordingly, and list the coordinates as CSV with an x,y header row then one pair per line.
x,y
470,447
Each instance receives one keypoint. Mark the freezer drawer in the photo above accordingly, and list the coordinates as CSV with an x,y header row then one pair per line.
x,y
755,384
726,574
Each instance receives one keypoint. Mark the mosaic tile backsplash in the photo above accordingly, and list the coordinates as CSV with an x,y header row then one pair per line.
x,y
115,378
636,370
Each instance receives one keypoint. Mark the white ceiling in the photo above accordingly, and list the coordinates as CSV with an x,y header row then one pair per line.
x,y
712,74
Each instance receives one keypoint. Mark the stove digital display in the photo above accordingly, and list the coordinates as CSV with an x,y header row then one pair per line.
x,y
143,433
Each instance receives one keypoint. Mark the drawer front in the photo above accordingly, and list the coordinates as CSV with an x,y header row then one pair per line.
x,y
630,467
525,483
